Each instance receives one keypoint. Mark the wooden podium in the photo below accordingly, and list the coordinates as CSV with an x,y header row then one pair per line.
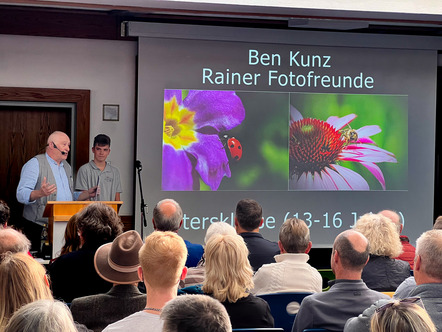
x,y
59,213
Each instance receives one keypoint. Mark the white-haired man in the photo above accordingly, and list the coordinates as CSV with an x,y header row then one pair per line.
x,y
47,177
428,276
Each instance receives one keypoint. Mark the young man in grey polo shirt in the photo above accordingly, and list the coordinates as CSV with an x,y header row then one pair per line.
x,y
98,172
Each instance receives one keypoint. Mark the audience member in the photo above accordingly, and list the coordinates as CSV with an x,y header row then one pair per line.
x,y
382,272
428,276
98,172
195,313
401,316
405,288
294,243
348,295
248,219
438,223
118,263
229,280
195,275
73,275
408,251
168,216
5,213
42,316
71,238
162,259
47,177
22,280
13,241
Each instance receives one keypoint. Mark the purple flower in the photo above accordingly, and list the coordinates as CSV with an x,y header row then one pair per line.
x,y
192,149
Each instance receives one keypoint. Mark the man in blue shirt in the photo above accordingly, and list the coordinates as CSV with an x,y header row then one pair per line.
x,y
168,216
47,177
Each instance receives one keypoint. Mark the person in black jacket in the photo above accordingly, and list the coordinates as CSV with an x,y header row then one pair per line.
x,y
382,272
248,219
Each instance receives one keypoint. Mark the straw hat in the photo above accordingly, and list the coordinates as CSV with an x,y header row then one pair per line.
x,y
118,262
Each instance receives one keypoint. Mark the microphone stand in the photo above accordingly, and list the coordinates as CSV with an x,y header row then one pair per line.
x,y
142,205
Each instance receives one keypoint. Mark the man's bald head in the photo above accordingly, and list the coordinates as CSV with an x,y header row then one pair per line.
x,y
13,241
394,217
353,249
58,146
167,215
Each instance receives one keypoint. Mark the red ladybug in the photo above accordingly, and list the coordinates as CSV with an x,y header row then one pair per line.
x,y
235,148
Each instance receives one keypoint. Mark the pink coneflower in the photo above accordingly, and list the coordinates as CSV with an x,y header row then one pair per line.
x,y
317,146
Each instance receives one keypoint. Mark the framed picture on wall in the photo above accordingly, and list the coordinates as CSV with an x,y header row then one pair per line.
x,y
111,112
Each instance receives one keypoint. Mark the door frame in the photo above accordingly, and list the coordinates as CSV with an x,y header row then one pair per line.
x,y
81,99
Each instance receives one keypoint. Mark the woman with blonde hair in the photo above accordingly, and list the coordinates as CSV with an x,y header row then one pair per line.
x,y
382,272
229,280
402,315
22,280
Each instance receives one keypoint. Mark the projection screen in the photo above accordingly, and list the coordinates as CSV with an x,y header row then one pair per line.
x,y
316,125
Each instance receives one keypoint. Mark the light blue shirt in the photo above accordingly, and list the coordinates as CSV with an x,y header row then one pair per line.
x,y
29,176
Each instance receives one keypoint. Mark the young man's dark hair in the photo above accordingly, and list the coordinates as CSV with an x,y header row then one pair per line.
x,y
249,214
102,140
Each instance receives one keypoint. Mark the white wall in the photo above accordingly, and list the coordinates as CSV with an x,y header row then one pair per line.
x,y
106,68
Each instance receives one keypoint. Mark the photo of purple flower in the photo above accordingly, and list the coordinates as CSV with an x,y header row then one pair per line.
x,y
317,147
192,149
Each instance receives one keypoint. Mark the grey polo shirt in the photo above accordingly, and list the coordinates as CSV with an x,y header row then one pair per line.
x,y
89,175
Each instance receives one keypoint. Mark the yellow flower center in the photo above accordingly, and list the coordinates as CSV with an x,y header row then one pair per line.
x,y
178,125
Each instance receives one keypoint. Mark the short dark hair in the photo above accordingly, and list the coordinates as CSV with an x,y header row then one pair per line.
x,y
102,140
188,313
351,259
5,212
249,214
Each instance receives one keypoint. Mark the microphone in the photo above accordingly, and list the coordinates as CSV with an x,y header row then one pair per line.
x,y
62,152
138,165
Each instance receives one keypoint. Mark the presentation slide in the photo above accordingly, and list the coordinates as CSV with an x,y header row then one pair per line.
x,y
324,133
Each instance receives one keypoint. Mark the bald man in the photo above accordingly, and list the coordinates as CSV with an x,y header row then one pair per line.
x,y
408,251
168,216
46,177
348,295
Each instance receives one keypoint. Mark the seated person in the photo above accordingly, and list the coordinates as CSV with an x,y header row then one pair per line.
x,y
190,313
294,243
229,279
348,295
73,275
13,241
71,238
168,216
195,275
118,263
42,316
22,280
248,220
162,259
382,272
408,251
401,316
